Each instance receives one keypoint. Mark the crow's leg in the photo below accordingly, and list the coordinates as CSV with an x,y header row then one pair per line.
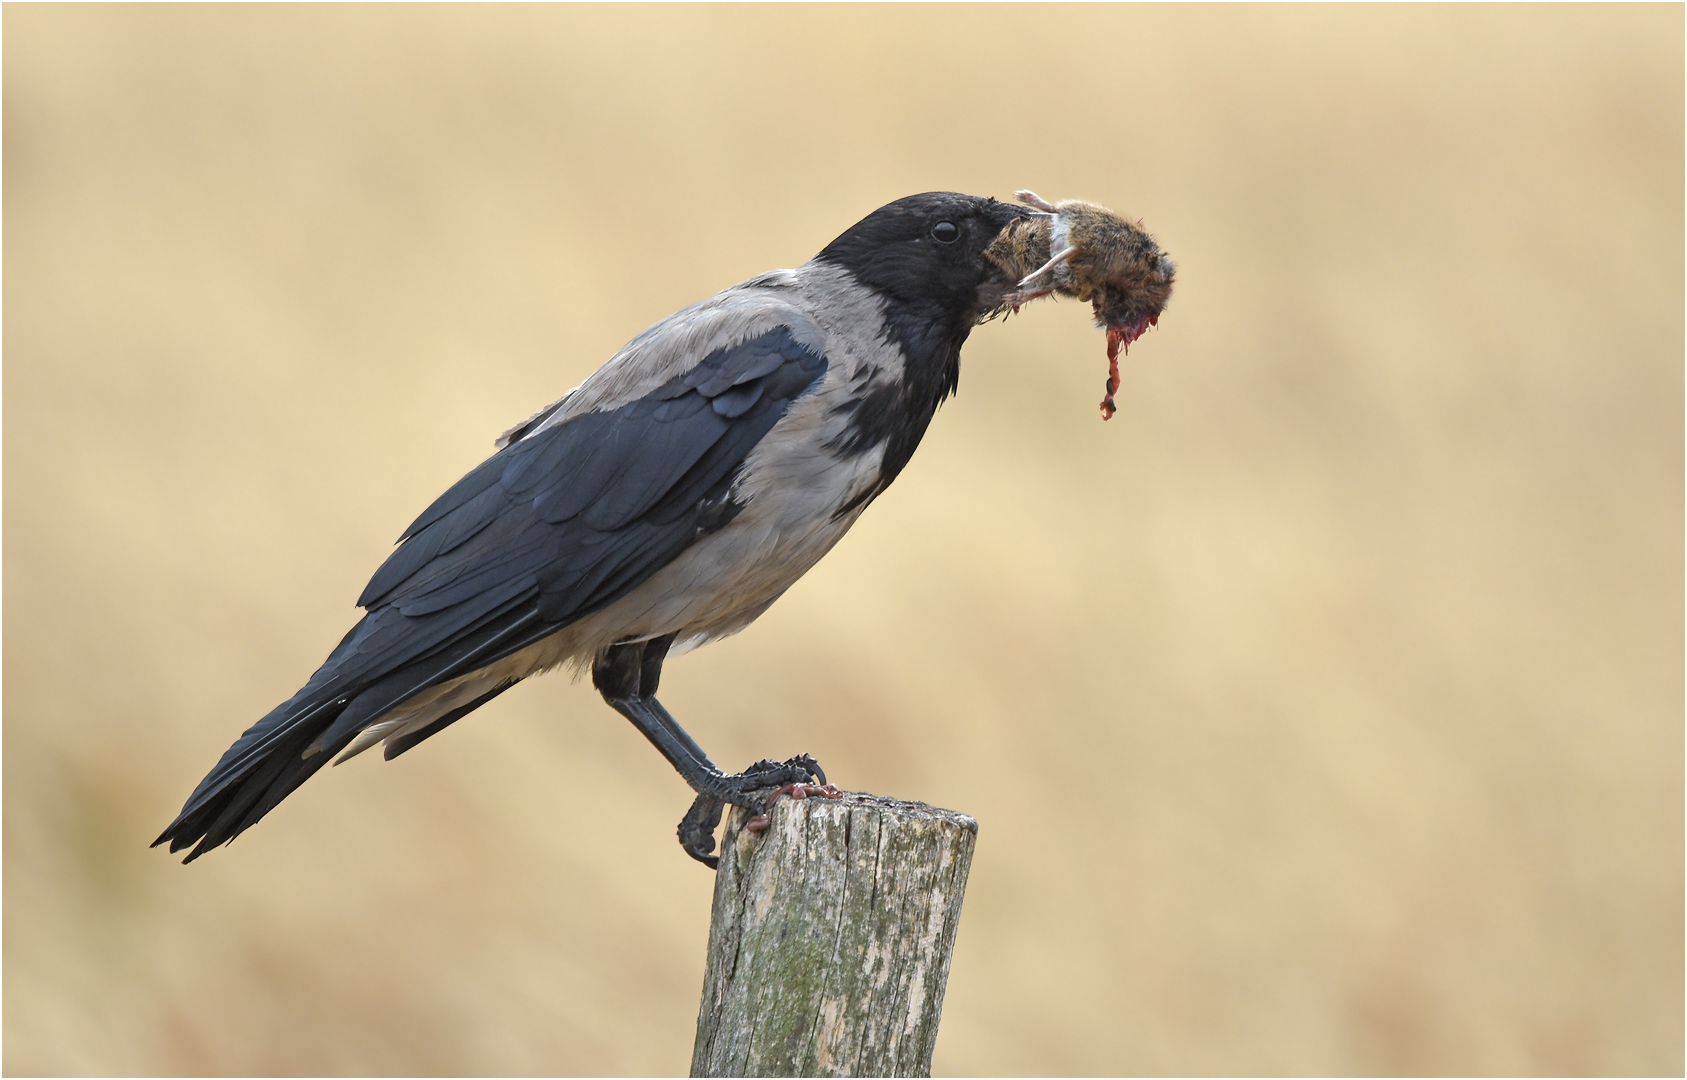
x,y
627,676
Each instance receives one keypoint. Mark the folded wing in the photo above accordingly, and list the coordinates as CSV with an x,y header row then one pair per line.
x,y
557,525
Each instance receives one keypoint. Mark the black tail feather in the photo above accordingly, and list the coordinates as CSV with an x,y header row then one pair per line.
x,y
215,816
386,660
268,762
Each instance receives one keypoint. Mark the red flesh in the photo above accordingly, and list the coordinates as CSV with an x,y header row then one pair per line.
x,y
1115,341
761,821
1119,340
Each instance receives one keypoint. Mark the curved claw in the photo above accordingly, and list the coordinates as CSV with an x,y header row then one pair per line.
x,y
697,828
805,761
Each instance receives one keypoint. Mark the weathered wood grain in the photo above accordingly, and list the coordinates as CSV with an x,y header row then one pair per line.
x,y
830,939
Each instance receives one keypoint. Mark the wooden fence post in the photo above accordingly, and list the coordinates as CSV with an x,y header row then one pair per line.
x,y
830,939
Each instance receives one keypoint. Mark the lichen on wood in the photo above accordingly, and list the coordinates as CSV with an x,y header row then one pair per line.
x,y
830,939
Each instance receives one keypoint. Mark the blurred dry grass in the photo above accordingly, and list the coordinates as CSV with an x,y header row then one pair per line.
x,y
1322,712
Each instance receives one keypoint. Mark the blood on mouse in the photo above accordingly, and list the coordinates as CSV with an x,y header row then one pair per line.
x,y
1079,249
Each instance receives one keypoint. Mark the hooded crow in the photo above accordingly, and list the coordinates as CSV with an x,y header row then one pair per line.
x,y
666,501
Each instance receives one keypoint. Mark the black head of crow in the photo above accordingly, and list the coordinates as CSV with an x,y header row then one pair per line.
x,y
666,501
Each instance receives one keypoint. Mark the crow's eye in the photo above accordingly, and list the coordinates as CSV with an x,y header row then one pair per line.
x,y
945,232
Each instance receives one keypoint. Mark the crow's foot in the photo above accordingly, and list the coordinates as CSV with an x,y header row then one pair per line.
x,y
746,789
697,829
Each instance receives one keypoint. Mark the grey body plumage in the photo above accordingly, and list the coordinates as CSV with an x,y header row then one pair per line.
x,y
668,500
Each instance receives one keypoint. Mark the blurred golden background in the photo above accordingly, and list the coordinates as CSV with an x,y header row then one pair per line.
x,y
1322,712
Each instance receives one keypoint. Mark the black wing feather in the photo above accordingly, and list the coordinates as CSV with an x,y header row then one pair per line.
x,y
553,527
